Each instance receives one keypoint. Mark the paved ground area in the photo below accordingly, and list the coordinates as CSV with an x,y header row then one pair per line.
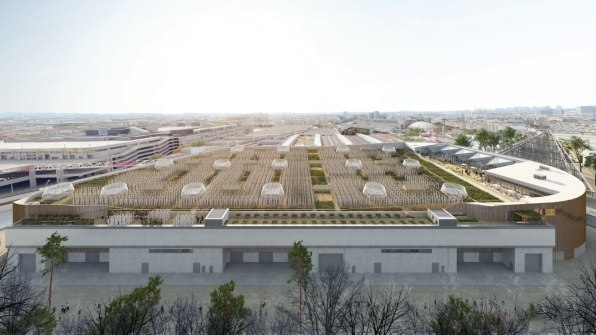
x,y
82,287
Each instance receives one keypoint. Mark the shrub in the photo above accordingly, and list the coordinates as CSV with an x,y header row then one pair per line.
x,y
324,205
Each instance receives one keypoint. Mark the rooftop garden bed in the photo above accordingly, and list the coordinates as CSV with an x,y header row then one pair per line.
x,y
57,220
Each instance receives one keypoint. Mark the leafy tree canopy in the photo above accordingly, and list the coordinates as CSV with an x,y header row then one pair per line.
x,y
300,260
463,140
590,162
575,147
227,314
131,313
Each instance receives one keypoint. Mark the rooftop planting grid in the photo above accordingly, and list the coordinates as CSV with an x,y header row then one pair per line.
x,y
239,186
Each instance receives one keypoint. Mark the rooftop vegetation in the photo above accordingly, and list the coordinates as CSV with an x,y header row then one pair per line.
x,y
102,181
473,192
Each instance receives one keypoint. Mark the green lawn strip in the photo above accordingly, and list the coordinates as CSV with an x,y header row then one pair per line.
x,y
103,181
473,192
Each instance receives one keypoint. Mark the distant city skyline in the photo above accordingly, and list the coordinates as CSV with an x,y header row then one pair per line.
x,y
215,57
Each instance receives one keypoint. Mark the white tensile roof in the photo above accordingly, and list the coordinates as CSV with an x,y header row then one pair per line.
x,y
236,149
114,189
374,190
279,164
164,163
388,148
193,190
272,190
454,189
411,163
221,164
58,191
354,164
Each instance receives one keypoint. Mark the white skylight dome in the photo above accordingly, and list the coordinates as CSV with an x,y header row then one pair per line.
x,y
164,163
426,126
114,189
193,190
374,190
221,164
454,189
411,163
279,164
272,190
58,191
388,148
355,164
237,149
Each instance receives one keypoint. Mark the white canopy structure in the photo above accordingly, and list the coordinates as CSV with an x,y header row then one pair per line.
x,y
283,148
237,149
164,163
279,164
454,189
374,190
342,149
388,148
464,152
193,190
449,149
411,163
480,156
437,148
58,191
354,164
221,164
344,140
498,161
272,190
317,140
114,189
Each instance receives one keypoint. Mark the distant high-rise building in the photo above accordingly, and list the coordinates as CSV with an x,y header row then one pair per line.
x,y
586,110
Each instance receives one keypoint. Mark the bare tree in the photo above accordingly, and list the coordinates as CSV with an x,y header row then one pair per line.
x,y
73,325
284,322
186,317
387,311
257,320
494,319
573,310
21,309
354,320
457,316
327,298
128,314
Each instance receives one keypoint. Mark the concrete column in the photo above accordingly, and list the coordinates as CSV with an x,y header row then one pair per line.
x,y
547,261
519,263
32,178
451,266
60,178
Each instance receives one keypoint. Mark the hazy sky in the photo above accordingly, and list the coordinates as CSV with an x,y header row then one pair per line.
x,y
295,56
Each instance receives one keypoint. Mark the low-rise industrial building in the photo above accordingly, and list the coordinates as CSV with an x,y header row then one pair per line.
x,y
149,222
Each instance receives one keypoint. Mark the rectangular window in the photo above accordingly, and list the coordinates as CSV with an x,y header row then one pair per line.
x,y
170,251
406,251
